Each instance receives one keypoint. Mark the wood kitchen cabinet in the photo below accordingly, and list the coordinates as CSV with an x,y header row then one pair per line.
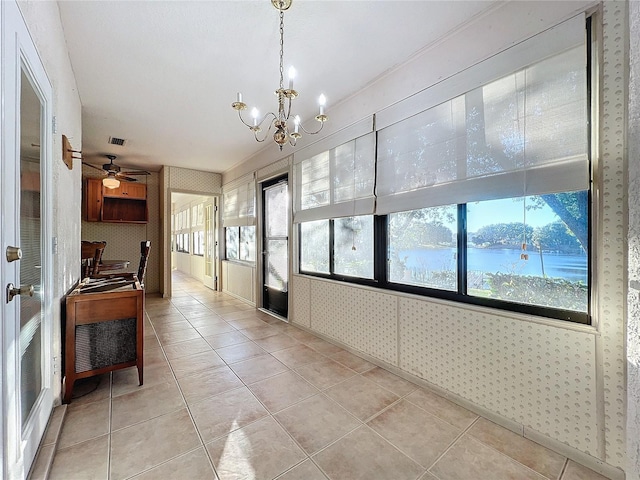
x,y
127,190
125,204
93,199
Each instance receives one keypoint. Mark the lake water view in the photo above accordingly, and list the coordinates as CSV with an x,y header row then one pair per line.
x,y
491,260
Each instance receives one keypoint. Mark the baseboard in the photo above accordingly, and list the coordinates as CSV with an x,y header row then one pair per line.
x,y
46,452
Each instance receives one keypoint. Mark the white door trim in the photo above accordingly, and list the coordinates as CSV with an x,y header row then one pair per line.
x,y
19,445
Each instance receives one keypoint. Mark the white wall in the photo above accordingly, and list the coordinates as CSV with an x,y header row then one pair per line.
x,y
633,312
43,21
560,383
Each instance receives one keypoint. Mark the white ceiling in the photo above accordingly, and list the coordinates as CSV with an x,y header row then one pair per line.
x,y
163,74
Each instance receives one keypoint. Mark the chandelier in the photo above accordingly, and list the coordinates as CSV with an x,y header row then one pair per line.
x,y
280,122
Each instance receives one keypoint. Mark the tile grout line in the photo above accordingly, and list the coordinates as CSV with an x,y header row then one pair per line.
x,y
455,440
187,407
109,443
563,469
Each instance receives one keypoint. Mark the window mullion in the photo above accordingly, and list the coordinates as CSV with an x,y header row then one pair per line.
x,y
462,249
380,249
331,244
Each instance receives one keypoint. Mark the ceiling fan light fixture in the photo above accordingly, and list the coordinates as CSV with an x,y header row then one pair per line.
x,y
110,182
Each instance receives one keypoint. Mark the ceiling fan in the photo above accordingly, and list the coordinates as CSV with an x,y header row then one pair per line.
x,y
115,173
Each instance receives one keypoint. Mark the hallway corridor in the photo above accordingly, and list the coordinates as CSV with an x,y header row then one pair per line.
x,y
232,393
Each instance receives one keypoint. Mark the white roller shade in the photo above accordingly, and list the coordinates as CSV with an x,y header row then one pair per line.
x,y
239,203
522,134
337,182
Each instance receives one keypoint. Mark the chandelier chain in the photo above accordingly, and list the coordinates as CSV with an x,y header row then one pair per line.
x,y
281,49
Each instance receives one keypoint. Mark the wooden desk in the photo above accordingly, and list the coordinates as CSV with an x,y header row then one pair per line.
x,y
103,331
112,265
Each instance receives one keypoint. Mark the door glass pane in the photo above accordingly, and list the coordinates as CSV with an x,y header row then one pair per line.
x,y
277,210
31,262
277,268
208,231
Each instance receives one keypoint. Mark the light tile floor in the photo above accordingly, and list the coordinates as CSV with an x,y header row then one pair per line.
x,y
231,393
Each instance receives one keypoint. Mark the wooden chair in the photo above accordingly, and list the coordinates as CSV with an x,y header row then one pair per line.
x,y
145,247
91,254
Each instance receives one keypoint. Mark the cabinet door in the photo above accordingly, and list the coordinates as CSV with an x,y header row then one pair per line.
x,y
135,190
93,199
114,192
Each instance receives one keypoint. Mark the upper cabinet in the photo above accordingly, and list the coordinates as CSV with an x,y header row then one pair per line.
x,y
127,190
125,204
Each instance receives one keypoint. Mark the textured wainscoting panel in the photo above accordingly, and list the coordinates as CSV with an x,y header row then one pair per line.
x,y
239,280
537,375
633,311
611,247
363,319
301,292
194,180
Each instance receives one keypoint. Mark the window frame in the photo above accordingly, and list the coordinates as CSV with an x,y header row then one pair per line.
x,y
381,263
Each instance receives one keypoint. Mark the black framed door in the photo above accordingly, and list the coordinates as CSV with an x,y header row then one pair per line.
x,y
275,241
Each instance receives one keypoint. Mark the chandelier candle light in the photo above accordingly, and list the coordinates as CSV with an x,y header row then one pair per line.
x,y
280,121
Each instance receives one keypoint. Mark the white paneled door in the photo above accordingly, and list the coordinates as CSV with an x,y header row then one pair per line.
x,y
26,263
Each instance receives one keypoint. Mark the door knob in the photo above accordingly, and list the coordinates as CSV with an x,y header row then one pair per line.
x,y
24,290
13,254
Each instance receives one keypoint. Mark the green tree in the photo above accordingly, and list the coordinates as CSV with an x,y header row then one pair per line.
x,y
556,236
572,209
503,234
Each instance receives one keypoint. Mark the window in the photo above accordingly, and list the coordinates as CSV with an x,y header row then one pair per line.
x,y
232,242
314,246
241,243
248,244
353,246
338,248
530,250
198,243
423,247
182,240
479,196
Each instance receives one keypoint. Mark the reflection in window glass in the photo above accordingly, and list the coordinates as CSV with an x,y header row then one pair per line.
x,y
314,246
248,244
353,246
232,242
530,250
422,247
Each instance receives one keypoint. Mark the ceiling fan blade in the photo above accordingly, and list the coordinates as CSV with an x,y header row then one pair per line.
x,y
136,172
120,176
92,166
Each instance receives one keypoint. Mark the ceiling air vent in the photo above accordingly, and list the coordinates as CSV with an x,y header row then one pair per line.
x,y
116,141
